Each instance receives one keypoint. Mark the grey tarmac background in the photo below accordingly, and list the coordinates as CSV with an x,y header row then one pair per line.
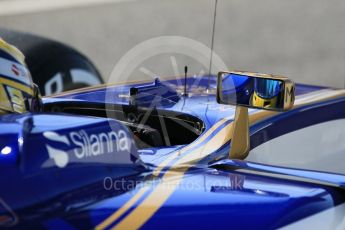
x,y
301,39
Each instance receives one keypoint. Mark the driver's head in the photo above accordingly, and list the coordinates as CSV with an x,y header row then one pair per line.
x,y
18,94
266,93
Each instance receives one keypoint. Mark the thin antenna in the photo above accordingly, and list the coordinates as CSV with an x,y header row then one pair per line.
x,y
212,43
185,94
185,81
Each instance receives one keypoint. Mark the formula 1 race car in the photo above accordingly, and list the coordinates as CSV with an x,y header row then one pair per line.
x,y
238,150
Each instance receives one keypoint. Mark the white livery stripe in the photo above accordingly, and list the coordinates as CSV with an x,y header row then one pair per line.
x,y
317,95
14,71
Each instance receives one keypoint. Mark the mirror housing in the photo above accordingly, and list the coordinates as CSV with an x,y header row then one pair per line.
x,y
255,90
251,90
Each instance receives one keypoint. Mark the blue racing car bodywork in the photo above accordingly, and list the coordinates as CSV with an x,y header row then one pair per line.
x,y
145,155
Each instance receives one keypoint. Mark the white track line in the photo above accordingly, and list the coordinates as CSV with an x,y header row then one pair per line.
x,y
15,7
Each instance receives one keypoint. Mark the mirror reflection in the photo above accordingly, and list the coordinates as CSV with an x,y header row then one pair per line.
x,y
252,90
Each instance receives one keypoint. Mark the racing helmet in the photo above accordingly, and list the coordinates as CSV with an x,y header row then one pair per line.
x,y
266,93
18,94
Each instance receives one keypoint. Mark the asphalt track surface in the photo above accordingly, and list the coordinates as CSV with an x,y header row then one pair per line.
x,y
303,40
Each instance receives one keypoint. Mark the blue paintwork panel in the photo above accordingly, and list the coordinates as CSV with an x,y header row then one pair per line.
x,y
239,201
211,198
72,171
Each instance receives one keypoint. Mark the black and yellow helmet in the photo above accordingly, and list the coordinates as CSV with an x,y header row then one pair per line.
x,y
18,94
266,93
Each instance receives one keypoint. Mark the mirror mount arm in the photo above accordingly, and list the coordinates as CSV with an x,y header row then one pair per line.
x,y
240,143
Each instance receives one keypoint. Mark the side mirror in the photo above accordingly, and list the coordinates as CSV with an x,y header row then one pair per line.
x,y
251,90
255,90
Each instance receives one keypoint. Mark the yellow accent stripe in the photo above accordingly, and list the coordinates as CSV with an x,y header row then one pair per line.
x,y
155,200
162,192
152,203
225,134
17,85
156,172
2,112
111,219
13,51
176,154
4,101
